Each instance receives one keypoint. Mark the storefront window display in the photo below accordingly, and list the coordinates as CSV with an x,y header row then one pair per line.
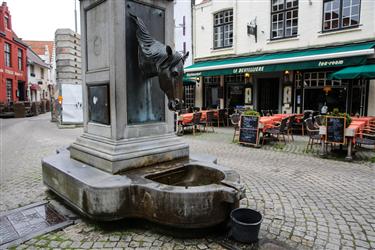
x,y
313,91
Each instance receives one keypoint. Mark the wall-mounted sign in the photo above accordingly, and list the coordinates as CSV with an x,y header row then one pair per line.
x,y
287,95
248,95
252,29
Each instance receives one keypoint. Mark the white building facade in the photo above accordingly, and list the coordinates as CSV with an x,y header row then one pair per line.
x,y
279,55
40,86
183,41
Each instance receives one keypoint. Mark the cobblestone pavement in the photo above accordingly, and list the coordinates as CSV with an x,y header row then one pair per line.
x,y
307,202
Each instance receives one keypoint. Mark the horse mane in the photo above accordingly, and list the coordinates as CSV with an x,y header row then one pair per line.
x,y
153,49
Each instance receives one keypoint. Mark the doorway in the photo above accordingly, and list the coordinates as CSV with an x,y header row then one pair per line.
x,y
268,94
235,95
21,91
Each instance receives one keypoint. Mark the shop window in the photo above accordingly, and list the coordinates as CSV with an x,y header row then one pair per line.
x,y
298,80
223,29
340,14
20,57
9,84
189,95
319,80
284,18
7,53
41,73
211,91
237,78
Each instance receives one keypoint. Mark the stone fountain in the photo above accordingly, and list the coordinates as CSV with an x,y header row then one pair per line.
x,y
128,163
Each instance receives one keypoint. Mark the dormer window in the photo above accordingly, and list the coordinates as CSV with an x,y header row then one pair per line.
x,y
6,22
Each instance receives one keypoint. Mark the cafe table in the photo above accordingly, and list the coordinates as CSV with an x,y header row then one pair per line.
x,y
187,118
266,122
355,127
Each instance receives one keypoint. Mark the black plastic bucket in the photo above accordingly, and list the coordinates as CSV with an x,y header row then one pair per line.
x,y
245,225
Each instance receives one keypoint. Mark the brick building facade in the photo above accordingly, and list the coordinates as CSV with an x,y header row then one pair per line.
x,y
13,69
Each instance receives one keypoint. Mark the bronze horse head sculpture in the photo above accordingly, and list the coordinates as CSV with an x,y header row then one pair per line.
x,y
158,59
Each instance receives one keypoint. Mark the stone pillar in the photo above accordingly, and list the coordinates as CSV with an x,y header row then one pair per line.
x,y
222,91
126,120
199,92
371,99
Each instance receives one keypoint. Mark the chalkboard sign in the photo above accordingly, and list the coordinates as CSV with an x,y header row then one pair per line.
x,y
336,129
249,130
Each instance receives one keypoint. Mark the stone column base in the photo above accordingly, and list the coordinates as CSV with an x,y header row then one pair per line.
x,y
118,156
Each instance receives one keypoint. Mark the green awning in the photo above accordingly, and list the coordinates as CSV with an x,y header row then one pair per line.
x,y
338,56
356,72
189,81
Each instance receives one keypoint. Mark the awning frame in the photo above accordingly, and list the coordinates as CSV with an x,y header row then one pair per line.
x,y
364,52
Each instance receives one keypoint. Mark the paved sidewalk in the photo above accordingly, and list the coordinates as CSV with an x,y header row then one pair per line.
x,y
307,202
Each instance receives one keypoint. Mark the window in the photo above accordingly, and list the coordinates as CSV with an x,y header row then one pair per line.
x,y
189,95
7,54
223,29
20,56
340,14
6,22
284,18
32,70
9,90
211,91
41,73
319,80
236,78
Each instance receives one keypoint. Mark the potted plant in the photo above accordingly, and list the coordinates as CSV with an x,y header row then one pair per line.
x,y
251,112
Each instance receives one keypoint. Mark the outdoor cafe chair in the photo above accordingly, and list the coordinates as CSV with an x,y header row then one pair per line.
x,y
281,129
319,120
365,137
312,132
235,120
221,117
196,121
289,128
300,123
183,111
208,122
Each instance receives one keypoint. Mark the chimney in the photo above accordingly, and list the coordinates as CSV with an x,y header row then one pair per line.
x,y
4,4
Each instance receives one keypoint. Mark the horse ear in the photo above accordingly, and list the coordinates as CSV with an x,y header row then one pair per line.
x,y
169,50
185,56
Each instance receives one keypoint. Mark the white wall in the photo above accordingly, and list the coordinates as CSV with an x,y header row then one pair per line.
x,y
35,79
309,27
371,101
183,8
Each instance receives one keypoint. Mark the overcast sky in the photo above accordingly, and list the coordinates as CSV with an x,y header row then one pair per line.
x,y
39,19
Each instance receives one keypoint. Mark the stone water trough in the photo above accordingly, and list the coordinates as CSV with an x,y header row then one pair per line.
x,y
187,194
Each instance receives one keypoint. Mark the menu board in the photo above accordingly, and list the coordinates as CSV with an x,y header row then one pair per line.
x,y
249,130
336,129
